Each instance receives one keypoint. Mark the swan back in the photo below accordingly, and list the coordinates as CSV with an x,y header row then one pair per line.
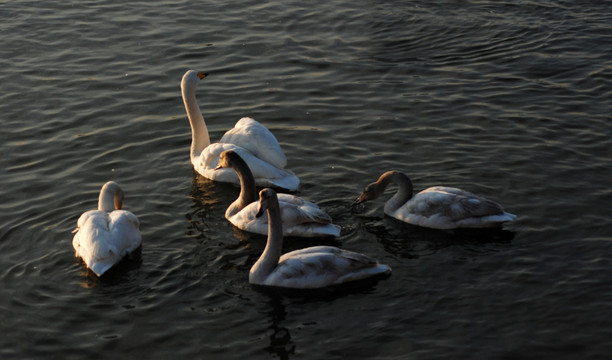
x,y
257,139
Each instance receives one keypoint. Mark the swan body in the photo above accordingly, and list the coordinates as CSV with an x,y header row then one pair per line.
x,y
309,268
104,236
437,207
300,217
255,143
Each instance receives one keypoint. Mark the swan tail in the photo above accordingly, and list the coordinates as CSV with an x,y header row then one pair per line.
x,y
101,267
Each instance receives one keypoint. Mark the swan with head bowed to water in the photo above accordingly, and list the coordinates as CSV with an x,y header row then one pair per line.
x,y
104,236
300,217
437,207
253,141
308,268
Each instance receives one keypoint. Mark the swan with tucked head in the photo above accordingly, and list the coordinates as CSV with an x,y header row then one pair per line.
x,y
437,207
309,268
253,141
300,217
104,236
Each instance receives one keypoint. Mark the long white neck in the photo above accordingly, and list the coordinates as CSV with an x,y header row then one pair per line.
x,y
199,132
269,258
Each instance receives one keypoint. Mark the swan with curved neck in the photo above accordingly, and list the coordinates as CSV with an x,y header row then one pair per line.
x,y
299,217
437,207
104,236
309,268
255,143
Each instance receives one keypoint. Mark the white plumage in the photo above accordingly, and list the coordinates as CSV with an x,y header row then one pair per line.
x,y
300,217
255,143
437,207
309,268
104,236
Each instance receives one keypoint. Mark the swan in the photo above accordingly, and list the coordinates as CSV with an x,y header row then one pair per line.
x,y
300,217
309,268
104,236
253,141
437,207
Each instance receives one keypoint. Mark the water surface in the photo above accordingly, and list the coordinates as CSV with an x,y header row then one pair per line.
x,y
510,100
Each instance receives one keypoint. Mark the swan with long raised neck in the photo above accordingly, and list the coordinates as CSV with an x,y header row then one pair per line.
x,y
309,268
300,217
106,235
437,207
252,140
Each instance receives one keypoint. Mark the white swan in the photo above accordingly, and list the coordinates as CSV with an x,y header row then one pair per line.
x,y
104,236
299,217
437,207
309,268
253,141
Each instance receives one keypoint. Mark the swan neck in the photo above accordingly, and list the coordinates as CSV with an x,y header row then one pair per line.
x,y
248,190
199,132
269,258
404,189
106,200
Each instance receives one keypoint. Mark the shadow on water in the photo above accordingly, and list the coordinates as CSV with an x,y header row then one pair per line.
x,y
328,293
115,274
411,241
280,338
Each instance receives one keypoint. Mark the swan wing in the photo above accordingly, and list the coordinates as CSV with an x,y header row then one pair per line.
x,y
444,207
265,173
93,242
257,139
124,227
321,266
298,211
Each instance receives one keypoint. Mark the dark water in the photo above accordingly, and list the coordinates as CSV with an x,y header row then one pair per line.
x,y
510,100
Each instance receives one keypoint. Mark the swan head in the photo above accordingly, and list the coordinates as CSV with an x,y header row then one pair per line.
x,y
377,189
191,79
111,197
370,192
267,200
227,159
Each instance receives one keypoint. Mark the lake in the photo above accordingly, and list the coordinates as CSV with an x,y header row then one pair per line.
x,y
509,100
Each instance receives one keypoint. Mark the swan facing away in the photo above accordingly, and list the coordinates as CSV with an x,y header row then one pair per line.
x,y
309,268
253,141
299,217
104,236
437,207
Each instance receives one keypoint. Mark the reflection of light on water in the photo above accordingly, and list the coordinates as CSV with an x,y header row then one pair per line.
x,y
91,280
203,190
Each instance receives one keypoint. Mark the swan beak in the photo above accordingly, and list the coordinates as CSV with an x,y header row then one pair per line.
x,y
202,75
359,200
76,230
218,167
